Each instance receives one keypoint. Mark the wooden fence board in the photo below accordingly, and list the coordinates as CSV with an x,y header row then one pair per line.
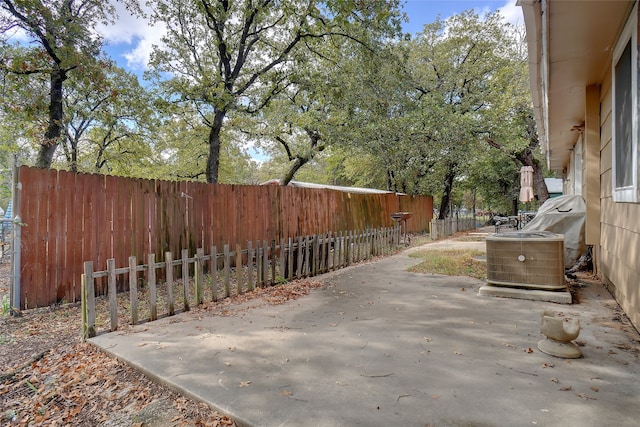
x,y
74,218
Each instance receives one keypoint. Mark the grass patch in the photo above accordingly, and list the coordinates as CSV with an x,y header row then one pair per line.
x,y
451,262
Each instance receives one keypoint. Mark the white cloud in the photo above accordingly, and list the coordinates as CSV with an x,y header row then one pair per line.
x,y
135,34
138,57
512,13
127,27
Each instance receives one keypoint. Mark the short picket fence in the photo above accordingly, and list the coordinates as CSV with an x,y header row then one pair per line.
x,y
224,274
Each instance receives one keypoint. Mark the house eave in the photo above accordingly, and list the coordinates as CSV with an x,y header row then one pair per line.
x,y
570,47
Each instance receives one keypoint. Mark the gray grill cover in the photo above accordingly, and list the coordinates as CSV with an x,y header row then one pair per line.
x,y
563,215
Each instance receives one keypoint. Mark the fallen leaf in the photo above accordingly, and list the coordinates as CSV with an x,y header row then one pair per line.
x,y
584,396
567,388
244,383
92,380
555,380
286,393
596,389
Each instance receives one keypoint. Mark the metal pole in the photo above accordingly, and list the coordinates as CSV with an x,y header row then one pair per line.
x,y
14,281
15,262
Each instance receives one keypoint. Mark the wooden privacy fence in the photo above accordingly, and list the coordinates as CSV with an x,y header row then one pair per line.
x,y
448,226
71,218
230,272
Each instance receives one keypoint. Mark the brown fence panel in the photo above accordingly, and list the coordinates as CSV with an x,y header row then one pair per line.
x,y
71,218
422,208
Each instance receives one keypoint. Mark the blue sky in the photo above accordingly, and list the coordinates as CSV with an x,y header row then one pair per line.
x,y
130,40
422,12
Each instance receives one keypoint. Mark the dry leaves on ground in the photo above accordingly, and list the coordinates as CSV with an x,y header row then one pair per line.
x,y
49,377
76,384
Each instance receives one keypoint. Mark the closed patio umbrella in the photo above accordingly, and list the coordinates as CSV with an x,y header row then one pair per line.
x,y
526,184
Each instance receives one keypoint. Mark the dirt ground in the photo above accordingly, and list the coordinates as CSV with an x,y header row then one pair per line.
x,y
50,377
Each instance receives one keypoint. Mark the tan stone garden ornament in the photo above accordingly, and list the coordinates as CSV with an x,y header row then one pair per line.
x,y
560,331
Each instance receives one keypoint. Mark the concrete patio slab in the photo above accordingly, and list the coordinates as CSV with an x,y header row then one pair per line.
x,y
379,346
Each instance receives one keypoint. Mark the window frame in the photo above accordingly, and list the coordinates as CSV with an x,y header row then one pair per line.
x,y
629,193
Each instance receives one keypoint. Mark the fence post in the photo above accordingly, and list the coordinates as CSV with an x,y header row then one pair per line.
x,y
238,268
16,244
153,295
227,267
199,275
113,297
290,259
300,253
133,289
185,279
265,262
315,260
168,260
88,297
258,265
340,246
282,268
15,262
250,256
323,249
214,273
329,254
307,270
273,262
334,243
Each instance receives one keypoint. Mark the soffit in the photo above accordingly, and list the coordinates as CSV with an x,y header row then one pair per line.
x,y
581,36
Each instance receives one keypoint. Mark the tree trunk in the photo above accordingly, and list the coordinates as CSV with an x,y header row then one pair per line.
x,y
55,126
448,191
300,161
297,164
213,161
390,180
515,200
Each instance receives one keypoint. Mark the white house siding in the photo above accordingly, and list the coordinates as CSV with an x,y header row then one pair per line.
x,y
618,256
